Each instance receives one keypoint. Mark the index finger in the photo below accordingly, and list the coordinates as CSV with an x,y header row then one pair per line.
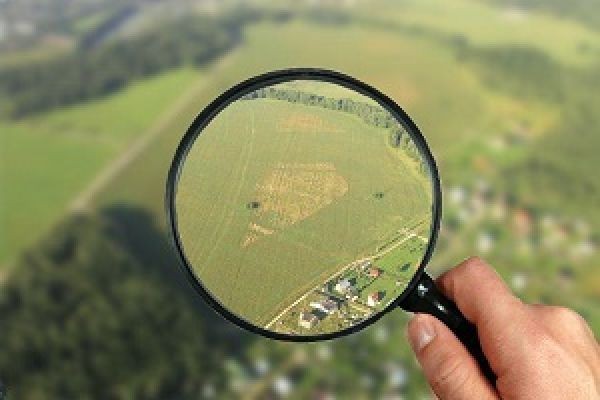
x,y
482,297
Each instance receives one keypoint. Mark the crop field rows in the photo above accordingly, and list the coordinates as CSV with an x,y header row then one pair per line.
x,y
280,210
479,108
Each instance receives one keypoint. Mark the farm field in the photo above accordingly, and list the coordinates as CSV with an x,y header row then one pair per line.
x,y
501,93
58,153
311,175
335,91
421,93
485,25
458,114
406,256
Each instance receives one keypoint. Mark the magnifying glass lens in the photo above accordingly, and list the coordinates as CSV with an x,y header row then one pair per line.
x,y
304,207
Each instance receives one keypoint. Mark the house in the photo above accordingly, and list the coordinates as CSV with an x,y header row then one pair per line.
x,y
343,286
327,306
519,281
307,320
374,272
373,299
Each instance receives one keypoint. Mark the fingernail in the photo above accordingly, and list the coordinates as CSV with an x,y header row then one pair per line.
x,y
421,332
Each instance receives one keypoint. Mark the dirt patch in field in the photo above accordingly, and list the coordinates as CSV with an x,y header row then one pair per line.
x,y
307,123
292,192
254,232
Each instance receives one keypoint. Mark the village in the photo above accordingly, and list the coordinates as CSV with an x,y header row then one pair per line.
x,y
494,222
357,292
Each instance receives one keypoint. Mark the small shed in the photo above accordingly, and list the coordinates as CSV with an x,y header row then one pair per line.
x,y
373,299
374,272
327,306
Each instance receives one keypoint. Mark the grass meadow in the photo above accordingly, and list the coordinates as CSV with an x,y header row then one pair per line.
x,y
458,114
438,99
50,158
323,213
503,93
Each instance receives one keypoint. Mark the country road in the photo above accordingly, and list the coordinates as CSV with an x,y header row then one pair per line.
x,y
409,235
83,199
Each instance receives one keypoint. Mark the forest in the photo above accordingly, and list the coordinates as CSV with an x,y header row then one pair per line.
x,y
89,280
88,74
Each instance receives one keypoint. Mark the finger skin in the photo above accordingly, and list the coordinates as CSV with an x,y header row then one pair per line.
x,y
449,368
479,292
537,352
570,329
501,318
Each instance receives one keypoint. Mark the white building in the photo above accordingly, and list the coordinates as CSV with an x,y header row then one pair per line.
x,y
327,306
343,286
373,299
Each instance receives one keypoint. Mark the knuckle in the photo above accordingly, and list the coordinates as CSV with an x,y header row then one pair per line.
x,y
564,315
541,341
472,264
476,260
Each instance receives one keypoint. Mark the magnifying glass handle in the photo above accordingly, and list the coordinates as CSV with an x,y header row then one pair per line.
x,y
426,298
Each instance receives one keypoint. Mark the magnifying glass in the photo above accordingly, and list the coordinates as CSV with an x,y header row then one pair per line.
x,y
305,205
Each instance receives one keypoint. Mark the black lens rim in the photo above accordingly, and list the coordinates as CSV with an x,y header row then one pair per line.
x,y
268,79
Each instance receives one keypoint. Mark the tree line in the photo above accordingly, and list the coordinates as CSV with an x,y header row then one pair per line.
x,y
371,114
87,74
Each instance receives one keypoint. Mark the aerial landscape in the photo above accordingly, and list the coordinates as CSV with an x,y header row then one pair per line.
x,y
95,96
302,212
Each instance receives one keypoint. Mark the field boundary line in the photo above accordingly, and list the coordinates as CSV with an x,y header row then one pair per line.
x,y
84,199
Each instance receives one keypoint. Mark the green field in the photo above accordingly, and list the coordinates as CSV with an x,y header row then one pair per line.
x,y
314,172
409,253
451,106
497,138
456,111
447,120
48,159
486,25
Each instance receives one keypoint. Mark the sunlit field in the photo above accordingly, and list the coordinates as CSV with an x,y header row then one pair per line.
x,y
312,175
48,160
505,97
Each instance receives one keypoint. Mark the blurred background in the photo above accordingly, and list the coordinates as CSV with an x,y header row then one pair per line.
x,y
96,94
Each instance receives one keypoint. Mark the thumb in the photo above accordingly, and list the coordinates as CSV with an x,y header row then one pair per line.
x,y
448,366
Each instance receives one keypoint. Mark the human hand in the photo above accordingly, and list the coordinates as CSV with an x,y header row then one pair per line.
x,y
536,351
